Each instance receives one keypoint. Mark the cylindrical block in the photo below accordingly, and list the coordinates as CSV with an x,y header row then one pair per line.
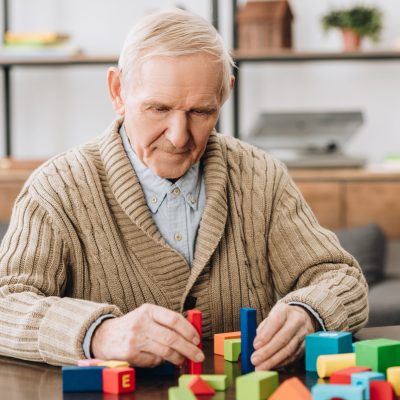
x,y
329,363
393,376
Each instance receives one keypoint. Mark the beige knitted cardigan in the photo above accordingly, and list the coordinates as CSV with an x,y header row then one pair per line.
x,y
82,243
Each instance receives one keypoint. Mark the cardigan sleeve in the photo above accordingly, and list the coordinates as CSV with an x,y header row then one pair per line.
x,y
309,265
37,322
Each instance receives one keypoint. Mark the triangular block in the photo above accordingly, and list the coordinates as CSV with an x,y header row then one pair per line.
x,y
200,387
292,389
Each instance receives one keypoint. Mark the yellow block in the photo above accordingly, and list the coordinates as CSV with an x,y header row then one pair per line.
x,y
393,376
114,364
329,363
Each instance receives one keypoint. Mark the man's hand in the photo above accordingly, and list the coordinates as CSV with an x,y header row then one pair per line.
x,y
280,337
147,336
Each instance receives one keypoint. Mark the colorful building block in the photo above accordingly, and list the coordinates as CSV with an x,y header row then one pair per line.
x,y
195,318
218,382
232,371
321,343
82,379
219,339
89,362
118,380
232,348
329,363
364,378
292,389
258,385
393,376
200,387
381,390
248,327
343,376
378,354
114,364
164,370
343,392
180,393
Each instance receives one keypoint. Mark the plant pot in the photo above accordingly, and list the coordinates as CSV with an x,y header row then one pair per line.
x,y
351,40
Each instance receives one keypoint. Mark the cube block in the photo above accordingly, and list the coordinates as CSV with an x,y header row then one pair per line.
x,y
180,393
82,379
363,379
258,385
344,392
232,348
343,376
219,339
118,380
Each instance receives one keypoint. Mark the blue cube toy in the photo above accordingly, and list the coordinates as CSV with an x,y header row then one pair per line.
x,y
363,379
344,392
320,343
82,379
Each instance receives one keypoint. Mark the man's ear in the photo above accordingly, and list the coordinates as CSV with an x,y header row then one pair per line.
x,y
114,85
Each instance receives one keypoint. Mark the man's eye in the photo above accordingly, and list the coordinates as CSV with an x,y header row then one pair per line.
x,y
202,112
160,109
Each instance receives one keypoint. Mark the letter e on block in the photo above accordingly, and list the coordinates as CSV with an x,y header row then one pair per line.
x,y
118,380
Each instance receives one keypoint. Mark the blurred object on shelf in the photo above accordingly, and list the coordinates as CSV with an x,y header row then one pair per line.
x,y
397,44
310,139
9,163
36,44
391,162
355,23
264,25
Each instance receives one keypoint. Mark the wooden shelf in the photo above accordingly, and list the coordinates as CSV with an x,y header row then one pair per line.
x,y
32,60
290,56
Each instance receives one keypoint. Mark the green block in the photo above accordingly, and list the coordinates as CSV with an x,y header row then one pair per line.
x,y
258,385
232,371
378,354
180,393
218,382
232,349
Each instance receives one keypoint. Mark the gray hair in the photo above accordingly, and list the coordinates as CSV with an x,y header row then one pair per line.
x,y
174,33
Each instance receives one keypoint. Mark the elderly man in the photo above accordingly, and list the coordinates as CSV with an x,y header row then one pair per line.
x,y
111,242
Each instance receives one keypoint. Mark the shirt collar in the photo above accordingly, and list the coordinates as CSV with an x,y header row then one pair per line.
x,y
155,189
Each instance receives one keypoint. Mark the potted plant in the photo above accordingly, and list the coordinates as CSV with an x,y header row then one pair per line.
x,y
355,23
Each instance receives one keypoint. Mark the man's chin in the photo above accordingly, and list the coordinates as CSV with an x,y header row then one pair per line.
x,y
170,173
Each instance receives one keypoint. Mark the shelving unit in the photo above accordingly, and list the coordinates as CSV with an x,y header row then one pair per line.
x,y
241,58
7,63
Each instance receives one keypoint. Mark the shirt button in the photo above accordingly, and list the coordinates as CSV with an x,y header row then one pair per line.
x,y
193,199
176,191
154,199
178,237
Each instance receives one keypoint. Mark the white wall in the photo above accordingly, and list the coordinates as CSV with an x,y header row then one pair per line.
x,y
54,109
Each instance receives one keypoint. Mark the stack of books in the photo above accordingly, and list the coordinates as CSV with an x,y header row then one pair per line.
x,y
36,44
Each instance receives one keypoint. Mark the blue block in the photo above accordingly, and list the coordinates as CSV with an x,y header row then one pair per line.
x,y
320,343
162,371
82,379
344,392
248,327
363,378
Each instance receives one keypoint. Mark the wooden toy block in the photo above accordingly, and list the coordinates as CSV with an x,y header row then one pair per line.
x,y
321,343
219,339
378,354
232,371
200,387
393,376
118,380
258,385
89,362
195,318
381,390
219,364
180,393
343,392
344,375
217,382
363,379
114,364
232,349
82,379
248,327
330,363
292,389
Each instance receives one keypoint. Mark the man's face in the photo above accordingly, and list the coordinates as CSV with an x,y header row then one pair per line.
x,y
171,105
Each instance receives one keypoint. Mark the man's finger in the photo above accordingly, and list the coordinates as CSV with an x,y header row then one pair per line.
x,y
173,320
172,342
145,360
163,352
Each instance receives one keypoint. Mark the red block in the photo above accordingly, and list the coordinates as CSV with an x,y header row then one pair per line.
x,y
118,380
200,387
381,390
195,318
344,375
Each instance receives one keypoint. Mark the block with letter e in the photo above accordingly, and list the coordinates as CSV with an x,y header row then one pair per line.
x,y
118,380
322,343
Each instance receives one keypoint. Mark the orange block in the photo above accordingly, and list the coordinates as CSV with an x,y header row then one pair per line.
x,y
219,341
292,389
118,380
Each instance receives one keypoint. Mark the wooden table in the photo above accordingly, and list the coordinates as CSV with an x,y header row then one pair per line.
x,y
20,380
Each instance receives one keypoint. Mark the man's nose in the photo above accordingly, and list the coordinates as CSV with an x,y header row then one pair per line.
x,y
178,129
